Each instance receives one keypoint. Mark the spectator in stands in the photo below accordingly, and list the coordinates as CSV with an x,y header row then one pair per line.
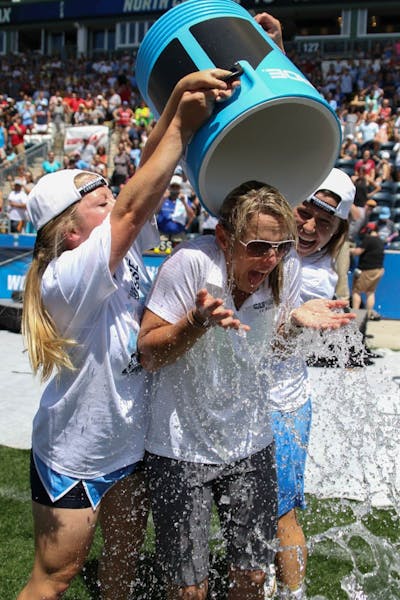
x,y
29,182
383,168
349,149
87,151
374,97
366,187
3,140
367,163
72,103
11,156
143,114
385,227
174,213
51,164
59,115
123,117
367,130
98,166
135,153
16,133
370,270
41,97
123,168
28,115
80,116
385,110
114,102
41,119
99,111
358,219
16,206
102,152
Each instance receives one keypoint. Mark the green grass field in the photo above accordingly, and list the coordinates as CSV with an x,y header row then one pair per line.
x,y
348,542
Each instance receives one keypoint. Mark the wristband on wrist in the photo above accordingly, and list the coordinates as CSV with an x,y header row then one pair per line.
x,y
193,320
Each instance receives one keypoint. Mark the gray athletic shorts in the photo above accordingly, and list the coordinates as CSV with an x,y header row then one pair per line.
x,y
245,493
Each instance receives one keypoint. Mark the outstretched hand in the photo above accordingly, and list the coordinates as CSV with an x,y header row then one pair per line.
x,y
271,26
322,314
212,311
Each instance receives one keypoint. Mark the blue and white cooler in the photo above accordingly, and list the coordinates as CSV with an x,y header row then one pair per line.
x,y
276,128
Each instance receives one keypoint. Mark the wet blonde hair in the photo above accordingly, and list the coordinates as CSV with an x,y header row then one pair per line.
x,y
254,198
47,349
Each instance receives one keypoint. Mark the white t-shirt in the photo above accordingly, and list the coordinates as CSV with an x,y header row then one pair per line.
x,y
15,213
211,405
92,421
319,277
291,389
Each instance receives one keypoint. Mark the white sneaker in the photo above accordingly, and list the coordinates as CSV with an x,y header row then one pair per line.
x,y
270,583
284,593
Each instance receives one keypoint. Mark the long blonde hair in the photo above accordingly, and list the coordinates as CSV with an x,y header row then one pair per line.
x,y
254,198
47,349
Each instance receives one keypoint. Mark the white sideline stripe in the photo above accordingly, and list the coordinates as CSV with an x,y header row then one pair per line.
x,y
10,493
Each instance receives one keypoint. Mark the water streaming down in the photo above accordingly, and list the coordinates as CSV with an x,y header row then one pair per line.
x,y
352,458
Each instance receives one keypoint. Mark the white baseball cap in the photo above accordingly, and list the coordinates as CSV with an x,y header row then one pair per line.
x,y
55,192
340,184
176,180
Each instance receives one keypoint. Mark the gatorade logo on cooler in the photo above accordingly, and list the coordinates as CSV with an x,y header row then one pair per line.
x,y
285,74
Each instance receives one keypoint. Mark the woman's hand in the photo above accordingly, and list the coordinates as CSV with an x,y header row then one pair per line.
x,y
211,311
209,79
271,26
200,91
321,314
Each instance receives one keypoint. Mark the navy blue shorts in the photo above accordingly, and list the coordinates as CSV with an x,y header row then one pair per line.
x,y
59,491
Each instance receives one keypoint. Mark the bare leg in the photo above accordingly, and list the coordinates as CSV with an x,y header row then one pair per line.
x,y
370,302
356,300
291,558
123,518
246,585
63,537
190,592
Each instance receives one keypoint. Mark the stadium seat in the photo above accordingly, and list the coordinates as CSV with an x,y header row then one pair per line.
x,y
384,198
387,146
396,200
349,170
342,162
388,186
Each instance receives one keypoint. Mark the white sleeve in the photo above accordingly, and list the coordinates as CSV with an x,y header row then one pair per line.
x,y
178,280
79,281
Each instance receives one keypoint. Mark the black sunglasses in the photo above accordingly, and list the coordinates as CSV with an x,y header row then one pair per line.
x,y
258,248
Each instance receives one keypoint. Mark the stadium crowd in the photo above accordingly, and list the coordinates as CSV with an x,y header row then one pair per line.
x,y
44,95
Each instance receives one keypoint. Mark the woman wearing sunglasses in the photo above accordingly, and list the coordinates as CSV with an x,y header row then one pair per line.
x,y
209,436
321,228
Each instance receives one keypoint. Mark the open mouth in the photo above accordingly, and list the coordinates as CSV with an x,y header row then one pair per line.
x,y
256,278
306,244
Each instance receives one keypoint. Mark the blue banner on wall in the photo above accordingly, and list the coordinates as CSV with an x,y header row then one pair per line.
x,y
74,9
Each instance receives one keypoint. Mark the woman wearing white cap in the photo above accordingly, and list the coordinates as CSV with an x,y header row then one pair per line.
x,y
83,301
322,227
